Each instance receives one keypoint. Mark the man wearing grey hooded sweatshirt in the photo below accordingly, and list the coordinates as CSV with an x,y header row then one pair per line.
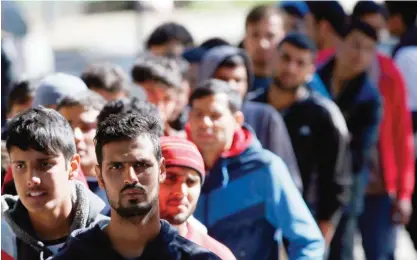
x,y
232,64
50,203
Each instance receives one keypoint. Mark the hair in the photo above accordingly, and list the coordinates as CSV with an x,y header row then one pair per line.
x,y
260,12
167,32
127,126
295,8
128,105
367,7
406,9
330,11
233,61
363,27
213,42
43,130
214,86
20,93
105,76
300,41
156,68
88,99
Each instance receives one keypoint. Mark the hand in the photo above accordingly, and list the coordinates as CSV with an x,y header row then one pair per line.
x,y
401,212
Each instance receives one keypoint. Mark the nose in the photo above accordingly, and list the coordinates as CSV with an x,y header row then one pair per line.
x,y
78,135
207,122
181,189
130,176
34,180
264,43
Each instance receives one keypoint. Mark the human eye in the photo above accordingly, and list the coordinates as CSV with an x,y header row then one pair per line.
x,y
116,166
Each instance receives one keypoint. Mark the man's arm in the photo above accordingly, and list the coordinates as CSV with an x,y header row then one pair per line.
x,y
287,211
280,144
334,173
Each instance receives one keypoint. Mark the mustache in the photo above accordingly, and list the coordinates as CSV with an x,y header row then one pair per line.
x,y
133,186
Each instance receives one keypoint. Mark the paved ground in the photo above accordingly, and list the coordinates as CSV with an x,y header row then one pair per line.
x,y
118,37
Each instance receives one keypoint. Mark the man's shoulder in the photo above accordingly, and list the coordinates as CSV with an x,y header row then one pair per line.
x,y
191,249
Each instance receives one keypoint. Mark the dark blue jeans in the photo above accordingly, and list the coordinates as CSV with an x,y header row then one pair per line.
x,y
379,234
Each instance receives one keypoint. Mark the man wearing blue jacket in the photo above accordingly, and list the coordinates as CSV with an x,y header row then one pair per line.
x,y
346,79
249,199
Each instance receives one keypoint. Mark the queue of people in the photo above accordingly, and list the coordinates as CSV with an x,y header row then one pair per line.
x,y
294,141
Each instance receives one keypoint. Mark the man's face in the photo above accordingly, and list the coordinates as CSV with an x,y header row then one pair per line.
x,y
179,194
172,48
183,95
311,27
19,108
236,76
192,74
261,39
42,180
84,124
395,25
130,174
292,66
110,96
162,96
356,52
212,124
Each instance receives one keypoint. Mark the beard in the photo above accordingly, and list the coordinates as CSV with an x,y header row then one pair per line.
x,y
278,84
176,219
134,207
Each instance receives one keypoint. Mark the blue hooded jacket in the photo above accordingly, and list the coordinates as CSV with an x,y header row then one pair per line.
x,y
249,201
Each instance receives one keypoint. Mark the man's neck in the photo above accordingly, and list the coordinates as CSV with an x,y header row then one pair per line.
x,y
281,99
55,224
330,43
262,72
129,237
182,229
210,158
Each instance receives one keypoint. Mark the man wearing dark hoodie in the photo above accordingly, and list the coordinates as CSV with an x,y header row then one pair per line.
x,y
49,205
130,169
231,64
248,199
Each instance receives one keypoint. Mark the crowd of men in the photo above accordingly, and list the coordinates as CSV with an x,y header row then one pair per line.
x,y
295,140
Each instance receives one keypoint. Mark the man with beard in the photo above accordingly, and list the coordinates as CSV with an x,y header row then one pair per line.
x,y
181,189
317,129
130,168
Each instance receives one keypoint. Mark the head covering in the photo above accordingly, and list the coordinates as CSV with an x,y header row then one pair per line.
x,y
183,153
52,88
215,56
296,8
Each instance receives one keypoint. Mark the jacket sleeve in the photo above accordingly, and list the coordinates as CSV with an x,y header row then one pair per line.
x,y
280,144
333,165
287,212
403,139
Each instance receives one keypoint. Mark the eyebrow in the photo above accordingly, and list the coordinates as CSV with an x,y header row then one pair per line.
x,y
141,160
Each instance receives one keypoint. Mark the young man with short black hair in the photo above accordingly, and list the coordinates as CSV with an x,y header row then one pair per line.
x,y
81,111
130,170
317,129
347,81
107,79
50,205
248,199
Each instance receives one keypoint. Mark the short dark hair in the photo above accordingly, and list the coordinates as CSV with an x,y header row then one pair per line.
x,y
363,27
406,9
259,12
213,42
233,61
330,11
167,32
88,99
43,130
300,41
214,86
128,105
20,93
105,76
160,69
127,126
367,7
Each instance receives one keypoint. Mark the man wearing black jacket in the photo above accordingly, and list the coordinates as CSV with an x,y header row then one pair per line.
x,y
317,129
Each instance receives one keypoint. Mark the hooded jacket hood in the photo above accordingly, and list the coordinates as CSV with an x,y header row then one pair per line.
x,y
87,207
215,56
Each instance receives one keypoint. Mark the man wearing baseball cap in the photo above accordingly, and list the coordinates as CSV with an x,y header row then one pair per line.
x,y
179,193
